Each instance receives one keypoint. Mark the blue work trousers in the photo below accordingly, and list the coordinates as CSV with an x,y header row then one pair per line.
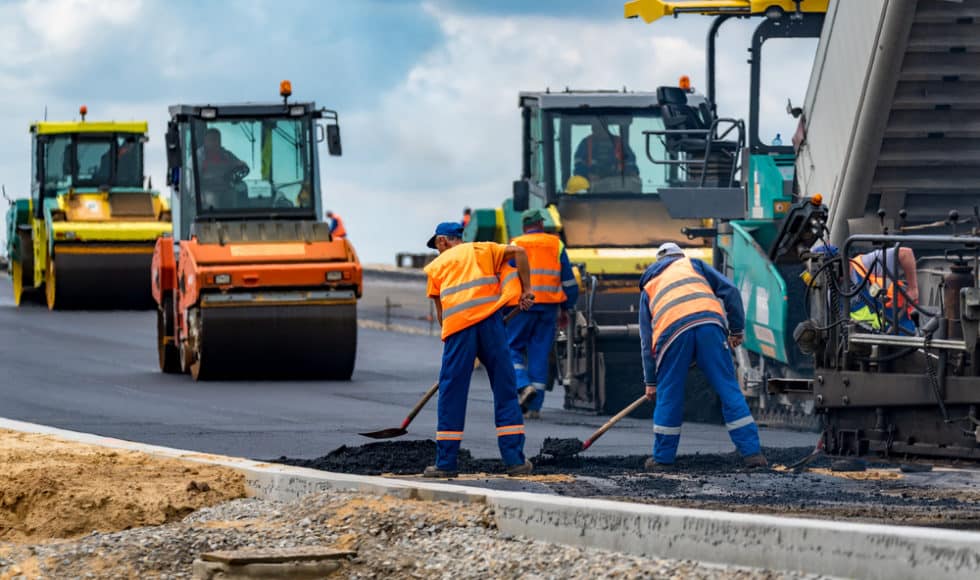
x,y
486,340
708,345
532,335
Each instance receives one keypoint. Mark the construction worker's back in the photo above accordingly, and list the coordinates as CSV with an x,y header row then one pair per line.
x,y
544,254
679,298
465,280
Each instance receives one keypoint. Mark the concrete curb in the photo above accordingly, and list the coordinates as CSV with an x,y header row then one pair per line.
x,y
813,546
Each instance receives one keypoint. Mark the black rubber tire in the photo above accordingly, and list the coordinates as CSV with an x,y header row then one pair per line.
x,y
167,352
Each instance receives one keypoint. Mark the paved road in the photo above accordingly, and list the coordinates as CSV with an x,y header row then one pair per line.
x,y
96,372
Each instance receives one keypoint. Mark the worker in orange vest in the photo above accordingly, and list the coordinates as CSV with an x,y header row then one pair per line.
x,y
337,228
464,282
532,334
689,312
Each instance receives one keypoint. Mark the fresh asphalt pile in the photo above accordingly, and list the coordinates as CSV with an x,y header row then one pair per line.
x,y
876,492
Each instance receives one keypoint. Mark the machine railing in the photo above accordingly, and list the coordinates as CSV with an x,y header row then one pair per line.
x,y
712,138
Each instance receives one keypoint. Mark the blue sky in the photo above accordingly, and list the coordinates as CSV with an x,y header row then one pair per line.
x,y
426,90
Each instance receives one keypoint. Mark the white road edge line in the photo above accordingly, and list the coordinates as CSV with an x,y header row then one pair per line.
x,y
812,546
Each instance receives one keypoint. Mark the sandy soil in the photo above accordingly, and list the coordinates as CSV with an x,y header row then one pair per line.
x,y
53,489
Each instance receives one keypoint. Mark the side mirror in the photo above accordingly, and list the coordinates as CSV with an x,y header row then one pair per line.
x,y
173,153
333,140
522,195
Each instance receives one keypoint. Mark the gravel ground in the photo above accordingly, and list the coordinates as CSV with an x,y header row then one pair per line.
x,y
393,539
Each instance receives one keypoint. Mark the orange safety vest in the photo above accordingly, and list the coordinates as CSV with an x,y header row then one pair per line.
x,y
677,292
469,283
891,295
339,231
544,256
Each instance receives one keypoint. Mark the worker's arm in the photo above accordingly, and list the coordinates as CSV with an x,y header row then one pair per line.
x,y
432,290
438,303
906,259
519,256
646,348
728,293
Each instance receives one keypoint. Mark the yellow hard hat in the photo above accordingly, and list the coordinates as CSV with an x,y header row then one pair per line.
x,y
577,184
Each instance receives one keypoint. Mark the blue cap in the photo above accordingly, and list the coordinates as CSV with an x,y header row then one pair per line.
x,y
449,229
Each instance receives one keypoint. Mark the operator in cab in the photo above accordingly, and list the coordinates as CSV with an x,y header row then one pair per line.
x,y
464,283
532,333
689,312
220,171
603,156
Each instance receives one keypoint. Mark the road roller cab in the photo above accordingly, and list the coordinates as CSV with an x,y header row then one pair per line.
x,y
85,236
252,283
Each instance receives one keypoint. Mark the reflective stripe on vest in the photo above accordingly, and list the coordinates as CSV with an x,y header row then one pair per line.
x,y
677,292
469,290
544,256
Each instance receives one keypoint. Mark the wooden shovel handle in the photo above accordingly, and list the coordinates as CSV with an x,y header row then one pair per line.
x,y
615,419
418,406
425,399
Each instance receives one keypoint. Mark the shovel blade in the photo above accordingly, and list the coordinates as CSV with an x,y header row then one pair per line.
x,y
562,447
390,433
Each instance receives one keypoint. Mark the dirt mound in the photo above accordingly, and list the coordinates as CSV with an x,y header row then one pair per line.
x,y
50,488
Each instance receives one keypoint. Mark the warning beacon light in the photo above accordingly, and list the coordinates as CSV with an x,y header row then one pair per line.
x,y
285,90
685,83
83,110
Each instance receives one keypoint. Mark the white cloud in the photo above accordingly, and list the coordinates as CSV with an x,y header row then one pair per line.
x,y
66,25
448,136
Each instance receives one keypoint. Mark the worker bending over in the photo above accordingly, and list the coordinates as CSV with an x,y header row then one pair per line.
x,y
465,285
879,304
532,334
337,228
683,321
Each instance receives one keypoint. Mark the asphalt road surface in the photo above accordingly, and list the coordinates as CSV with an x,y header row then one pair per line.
x,y
97,372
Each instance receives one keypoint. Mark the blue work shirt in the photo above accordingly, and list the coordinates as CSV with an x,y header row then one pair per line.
x,y
722,288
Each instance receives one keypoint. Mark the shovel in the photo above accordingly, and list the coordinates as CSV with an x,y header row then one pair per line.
x,y
392,432
570,447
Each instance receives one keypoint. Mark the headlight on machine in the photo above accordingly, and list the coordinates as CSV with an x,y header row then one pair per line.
x,y
335,276
222,279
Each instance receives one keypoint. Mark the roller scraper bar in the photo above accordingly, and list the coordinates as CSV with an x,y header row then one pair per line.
x,y
650,10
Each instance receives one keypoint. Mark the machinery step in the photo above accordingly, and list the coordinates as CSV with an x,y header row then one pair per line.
x,y
949,123
929,152
929,95
942,37
937,179
935,66
946,11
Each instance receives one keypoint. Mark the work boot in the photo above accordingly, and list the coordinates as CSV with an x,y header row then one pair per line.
x,y
532,415
523,469
435,472
525,396
651,466
756,461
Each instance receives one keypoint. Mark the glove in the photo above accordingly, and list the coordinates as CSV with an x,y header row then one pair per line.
x,y
736,339
651,392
